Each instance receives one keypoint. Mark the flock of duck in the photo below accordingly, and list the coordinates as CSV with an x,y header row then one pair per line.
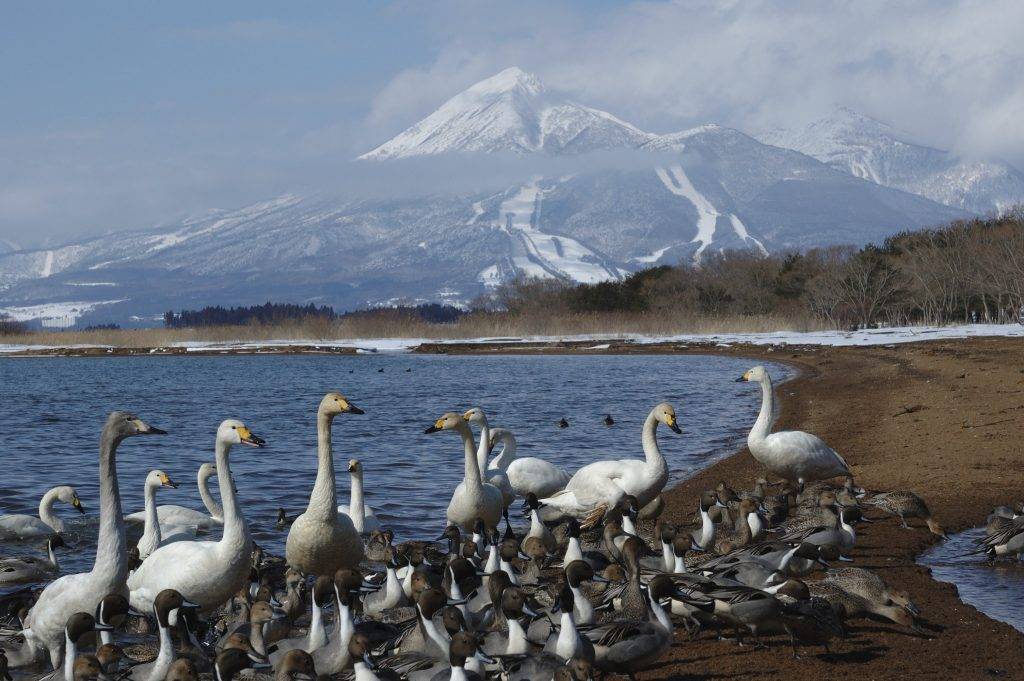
x,y
596,585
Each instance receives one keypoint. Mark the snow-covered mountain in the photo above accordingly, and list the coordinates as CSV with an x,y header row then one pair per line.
x,y
870,149
705,189
510,111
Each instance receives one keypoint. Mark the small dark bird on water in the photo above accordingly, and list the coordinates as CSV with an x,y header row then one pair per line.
x,y
381,370
608,420
563,423
408,371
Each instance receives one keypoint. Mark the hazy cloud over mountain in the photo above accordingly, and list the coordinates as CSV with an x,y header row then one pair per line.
x,y
134,118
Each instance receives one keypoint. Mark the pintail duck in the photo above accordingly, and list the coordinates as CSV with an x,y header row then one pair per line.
x,y
850,605
871,586
904,504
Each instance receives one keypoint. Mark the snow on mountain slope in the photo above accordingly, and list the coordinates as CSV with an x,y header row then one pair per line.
x,y
510,111
705,189
870,149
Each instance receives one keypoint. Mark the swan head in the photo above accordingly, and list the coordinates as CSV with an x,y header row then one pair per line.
x,y
68,495
335,403
208,470
160,479
122,424
448,421
755,375
475,415
355,466
234,432
666,414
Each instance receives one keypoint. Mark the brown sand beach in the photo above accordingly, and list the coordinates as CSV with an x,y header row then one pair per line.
x,y
942,419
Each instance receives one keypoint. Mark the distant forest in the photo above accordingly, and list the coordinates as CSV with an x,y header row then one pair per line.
x,y
966,271
277,313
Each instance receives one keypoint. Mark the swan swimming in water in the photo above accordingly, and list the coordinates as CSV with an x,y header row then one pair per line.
x,y
473,498
44,624
321,540
494,476
31,568
599,486
182,516
24,526
358,511
790,454
529,473
204,572
155,535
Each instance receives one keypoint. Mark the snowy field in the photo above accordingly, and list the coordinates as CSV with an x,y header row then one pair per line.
x,y
886,336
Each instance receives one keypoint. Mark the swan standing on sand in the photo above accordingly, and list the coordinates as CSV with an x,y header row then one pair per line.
x,y
155,535
527,474
358,511
494,476
204,572
473,498
44,624
182,516
790,454
599,486
321,540
23,526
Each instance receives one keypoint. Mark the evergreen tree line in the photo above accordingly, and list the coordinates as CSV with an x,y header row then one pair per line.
x,y
277,313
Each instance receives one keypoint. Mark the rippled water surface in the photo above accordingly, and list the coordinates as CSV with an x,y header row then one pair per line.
x,y
997,589
52,409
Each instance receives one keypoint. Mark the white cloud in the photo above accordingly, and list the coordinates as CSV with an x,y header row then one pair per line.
x,y
951,73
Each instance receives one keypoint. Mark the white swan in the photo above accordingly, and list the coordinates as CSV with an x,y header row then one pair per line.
x,y
24,526
358,510
204,572
529,473
495,476
598,487
473,498
171,514
790,454
82,592
155,534
321,540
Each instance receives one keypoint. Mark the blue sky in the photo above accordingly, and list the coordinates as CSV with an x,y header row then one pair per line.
x,y
118,115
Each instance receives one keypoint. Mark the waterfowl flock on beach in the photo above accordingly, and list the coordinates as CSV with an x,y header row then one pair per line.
x,y
597,584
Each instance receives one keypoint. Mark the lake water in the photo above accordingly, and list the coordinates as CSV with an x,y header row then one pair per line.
x,y
52,409
996,589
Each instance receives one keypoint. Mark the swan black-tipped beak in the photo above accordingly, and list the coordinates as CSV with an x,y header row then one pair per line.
x,y
675,428
153,430
78,506
431,429
353,409
739,380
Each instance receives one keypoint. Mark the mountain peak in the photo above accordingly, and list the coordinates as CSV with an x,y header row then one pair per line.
x,y
510,112
512,78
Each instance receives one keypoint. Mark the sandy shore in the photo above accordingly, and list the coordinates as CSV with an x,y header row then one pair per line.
x,y
959,448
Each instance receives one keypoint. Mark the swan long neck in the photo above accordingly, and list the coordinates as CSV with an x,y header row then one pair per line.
x,y
152,526
652,453
323,502
483,449
236,532
111,547
46,513
473,477
212,507
356,505
763,423
508,449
